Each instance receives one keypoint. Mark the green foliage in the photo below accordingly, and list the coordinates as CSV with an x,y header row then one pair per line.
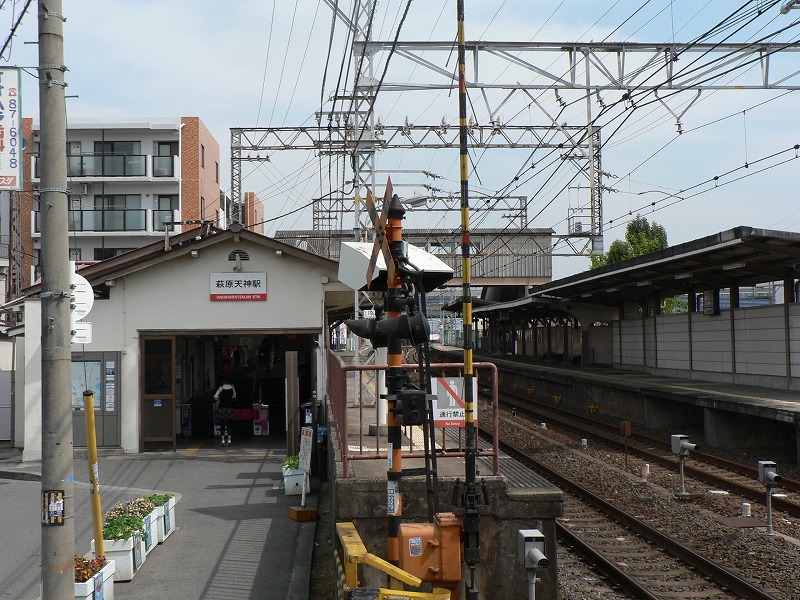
x,y
641,238
124,527
291,462
159,499
674,306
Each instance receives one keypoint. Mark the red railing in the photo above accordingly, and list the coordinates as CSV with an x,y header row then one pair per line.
x,y
343,419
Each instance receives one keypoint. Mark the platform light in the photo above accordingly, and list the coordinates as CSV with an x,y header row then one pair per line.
x,y
612,289
683,275
643,283
733,266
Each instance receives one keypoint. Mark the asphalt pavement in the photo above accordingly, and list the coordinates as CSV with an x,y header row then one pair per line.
x,y
233,536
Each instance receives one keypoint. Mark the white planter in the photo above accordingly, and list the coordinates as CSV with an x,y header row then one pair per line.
x,y
293,481
99,587
151,527
166,520
128,556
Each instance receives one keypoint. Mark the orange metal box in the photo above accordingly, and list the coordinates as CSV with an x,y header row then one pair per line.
x,y
432,551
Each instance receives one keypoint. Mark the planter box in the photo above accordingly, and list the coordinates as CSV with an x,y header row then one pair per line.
x,y
166,520
128,556
293,481
151,527
99,587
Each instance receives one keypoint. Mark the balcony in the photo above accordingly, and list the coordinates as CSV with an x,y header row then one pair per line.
x,y
116,165
135,220
107,165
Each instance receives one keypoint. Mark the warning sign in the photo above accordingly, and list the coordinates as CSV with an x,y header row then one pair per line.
x,y
449,408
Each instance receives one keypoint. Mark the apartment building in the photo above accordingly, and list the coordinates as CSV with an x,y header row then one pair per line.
x,y
130,180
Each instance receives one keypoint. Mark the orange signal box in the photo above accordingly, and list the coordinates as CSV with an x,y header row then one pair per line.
x,y
432,551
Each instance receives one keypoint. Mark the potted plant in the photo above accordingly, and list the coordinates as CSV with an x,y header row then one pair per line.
x,y
94,578
123,540
144,509
293,476
165,509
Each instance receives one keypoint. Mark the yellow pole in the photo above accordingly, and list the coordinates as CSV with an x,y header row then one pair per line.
x,y
94,473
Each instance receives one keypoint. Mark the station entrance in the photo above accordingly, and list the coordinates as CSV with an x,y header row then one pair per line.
x,y
181,372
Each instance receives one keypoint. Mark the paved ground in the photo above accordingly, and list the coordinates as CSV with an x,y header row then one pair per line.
x,y
233,537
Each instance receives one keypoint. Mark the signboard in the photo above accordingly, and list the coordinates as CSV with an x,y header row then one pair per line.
x,y
233,287
448,406
10,130
306,437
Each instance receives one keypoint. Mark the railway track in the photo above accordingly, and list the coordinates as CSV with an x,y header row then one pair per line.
x,y
644,561
713,470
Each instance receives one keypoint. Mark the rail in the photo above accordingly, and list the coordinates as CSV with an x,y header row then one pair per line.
x,y
338,392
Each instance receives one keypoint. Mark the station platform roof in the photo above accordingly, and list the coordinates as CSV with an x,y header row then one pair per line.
x,y
742,256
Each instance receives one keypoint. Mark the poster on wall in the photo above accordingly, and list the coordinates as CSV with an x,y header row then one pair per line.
x,y
86,375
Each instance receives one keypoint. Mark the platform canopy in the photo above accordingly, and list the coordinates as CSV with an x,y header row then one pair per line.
x,y
738,257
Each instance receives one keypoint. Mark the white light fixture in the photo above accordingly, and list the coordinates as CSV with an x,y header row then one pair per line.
x,y
643,283
279,253
733,266
683,275
110,282
586,295
194,254
612,289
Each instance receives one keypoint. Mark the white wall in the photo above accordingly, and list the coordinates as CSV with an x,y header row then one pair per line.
x,y
174,297
760,344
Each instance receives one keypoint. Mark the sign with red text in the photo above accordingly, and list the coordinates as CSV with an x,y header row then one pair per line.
x,y
10,130
237,287
448,405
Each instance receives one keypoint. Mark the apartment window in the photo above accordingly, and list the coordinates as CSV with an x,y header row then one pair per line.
x,y
105,253
122,148
118,212
202,156
164,161
166,204
216,172
110,159
202,207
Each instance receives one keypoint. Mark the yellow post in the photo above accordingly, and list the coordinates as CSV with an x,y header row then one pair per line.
x,y
94,473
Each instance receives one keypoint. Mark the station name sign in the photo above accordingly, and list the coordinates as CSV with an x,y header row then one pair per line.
x,y
238,287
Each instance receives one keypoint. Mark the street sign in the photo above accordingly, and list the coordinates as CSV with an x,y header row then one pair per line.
x,y
306,437
81,332
449,409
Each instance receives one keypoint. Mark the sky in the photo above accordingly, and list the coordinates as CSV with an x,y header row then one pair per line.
x,y
268,63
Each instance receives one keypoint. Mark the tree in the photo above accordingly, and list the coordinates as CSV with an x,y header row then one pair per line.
x,y
641,238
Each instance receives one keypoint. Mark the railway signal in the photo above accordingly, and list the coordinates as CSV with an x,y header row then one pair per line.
x,y
768,475
682,446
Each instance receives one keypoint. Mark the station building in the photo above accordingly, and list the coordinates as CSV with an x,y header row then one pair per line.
x,y
171,319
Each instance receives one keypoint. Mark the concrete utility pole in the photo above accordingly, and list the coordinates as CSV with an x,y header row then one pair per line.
x,y
58,501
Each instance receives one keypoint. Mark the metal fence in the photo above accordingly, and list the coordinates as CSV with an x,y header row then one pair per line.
x,y
352,418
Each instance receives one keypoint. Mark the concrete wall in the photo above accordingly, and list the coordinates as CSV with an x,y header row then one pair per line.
x,y
363,502
761,345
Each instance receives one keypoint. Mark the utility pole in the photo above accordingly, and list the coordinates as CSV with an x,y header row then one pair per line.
x,y
58,500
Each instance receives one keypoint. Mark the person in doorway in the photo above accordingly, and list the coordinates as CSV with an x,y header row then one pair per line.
x,y
223,410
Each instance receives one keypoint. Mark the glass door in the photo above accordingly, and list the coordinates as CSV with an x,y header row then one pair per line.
x,y
158,390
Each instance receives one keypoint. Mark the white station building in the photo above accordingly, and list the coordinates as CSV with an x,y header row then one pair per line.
x,y
169,321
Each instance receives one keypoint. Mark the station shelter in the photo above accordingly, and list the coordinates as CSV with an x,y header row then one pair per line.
x,y
169,321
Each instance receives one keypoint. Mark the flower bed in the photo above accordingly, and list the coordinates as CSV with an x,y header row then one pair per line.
x,y
94,578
